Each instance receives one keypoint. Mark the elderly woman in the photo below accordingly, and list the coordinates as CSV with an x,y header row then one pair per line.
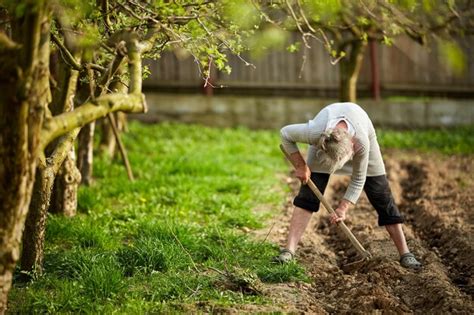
x,y
342,140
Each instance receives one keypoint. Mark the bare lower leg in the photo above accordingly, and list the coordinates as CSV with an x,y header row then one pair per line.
x,y
396,233
299,221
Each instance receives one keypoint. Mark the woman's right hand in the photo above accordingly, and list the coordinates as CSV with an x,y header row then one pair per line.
x,y
303,173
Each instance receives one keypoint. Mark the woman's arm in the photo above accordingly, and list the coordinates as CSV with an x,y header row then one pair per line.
x,y
292,134
359,174
360,163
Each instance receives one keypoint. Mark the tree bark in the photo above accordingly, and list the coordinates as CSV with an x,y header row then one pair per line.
x,y
25,94
108,140
85,153
66,184
35,225
25,130
64,194
349,69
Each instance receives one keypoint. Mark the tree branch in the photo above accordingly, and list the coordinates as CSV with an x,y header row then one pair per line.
x,y
123,151
224,43
134,51
69,58
66,54
351,26
62,149
112,69
90,111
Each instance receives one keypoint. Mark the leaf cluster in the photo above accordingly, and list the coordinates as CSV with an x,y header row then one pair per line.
x,y
338,23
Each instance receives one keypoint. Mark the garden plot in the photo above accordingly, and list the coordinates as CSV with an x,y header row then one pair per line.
x,y
434,194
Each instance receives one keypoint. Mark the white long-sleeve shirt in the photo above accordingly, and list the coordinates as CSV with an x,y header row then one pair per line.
x,y
367,159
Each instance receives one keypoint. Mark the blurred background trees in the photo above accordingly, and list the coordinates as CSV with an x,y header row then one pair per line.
x,y
346,28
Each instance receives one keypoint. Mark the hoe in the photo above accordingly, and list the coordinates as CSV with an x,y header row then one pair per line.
x,y
342,226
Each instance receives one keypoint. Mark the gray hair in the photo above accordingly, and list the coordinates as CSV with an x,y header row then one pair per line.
x,y
334,149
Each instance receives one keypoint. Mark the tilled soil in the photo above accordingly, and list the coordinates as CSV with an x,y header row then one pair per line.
x,y
435,194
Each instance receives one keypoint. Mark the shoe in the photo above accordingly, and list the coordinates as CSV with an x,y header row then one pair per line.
x,y
285,256
409,261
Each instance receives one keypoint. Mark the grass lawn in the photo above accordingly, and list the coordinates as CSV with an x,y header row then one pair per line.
x,y
163,242
448,141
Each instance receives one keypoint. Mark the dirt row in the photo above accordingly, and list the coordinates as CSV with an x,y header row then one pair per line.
x,y
435,194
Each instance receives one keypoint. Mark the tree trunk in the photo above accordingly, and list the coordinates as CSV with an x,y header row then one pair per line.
x,y
35,225
25,94
25,130
108,142
349,69
86,153
64,195
58,151
66,184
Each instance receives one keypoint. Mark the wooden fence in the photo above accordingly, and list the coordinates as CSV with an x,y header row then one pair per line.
x,y
405,68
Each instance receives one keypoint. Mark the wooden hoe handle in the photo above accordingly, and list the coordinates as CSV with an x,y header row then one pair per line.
x,y
343,227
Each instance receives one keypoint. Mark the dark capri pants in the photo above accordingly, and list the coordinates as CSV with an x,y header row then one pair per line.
x,y
376,188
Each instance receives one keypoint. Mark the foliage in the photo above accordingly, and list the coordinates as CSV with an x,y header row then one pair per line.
x,y
454,56
346,26
344,21
177,236
205,29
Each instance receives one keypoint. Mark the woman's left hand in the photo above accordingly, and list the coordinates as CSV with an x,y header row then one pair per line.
x,y
341,210
338,216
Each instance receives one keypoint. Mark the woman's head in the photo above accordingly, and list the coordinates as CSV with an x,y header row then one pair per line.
x,y
334,149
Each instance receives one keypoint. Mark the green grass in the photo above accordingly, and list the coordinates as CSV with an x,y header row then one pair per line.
x,y
161,243
448,141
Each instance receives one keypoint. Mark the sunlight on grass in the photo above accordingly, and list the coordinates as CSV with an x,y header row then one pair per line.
x,y
161,242
458,140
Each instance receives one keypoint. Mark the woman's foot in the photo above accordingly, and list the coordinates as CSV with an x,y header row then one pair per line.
x,y
409,261
285,256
